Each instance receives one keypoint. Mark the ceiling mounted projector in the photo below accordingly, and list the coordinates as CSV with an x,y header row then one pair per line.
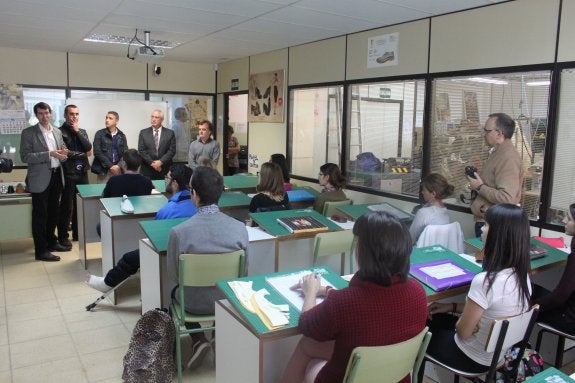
x,y
148,55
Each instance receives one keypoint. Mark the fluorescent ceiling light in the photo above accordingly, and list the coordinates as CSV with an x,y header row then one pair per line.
x,y
487,80
113,39
538,83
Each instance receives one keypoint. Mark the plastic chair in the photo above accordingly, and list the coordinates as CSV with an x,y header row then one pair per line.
x,y
504,334
387,363
547,328
333,242
330,207
201,270
449,236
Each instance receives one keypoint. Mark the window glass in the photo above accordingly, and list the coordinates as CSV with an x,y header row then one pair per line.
x,y
385,136
460,107
563,187
84,94
184,113
315,128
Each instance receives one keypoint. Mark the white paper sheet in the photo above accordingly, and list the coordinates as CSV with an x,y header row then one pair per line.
x,y
283,283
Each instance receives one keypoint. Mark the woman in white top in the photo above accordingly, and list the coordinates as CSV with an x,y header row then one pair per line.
x,y
502,290
434,189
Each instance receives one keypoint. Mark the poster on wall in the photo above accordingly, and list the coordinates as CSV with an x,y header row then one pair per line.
x,y
266,96
12,120
382,50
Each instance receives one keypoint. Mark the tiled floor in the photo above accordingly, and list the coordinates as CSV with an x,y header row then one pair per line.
x,y
46,334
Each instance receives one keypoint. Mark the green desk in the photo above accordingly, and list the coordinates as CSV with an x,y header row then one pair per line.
x,y
436,253
160,185
245,183
353,212
121,232
551,375
155,289
299,245
553,258
234,200
247,350
88,207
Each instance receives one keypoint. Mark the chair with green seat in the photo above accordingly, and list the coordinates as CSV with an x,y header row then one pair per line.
x,y
201,270
334,242
330,207
387,363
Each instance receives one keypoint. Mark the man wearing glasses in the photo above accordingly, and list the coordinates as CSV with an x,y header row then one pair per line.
x,y
501,177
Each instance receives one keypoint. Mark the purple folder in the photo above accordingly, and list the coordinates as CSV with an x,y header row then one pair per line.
x,y
422,272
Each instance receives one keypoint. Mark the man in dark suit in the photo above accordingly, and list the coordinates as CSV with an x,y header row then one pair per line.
x,y
75,172
157,146
42,148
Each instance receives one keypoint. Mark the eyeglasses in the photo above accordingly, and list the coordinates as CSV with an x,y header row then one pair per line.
x,y
489,130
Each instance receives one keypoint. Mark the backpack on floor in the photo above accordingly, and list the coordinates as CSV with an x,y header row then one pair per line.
x,y
150,354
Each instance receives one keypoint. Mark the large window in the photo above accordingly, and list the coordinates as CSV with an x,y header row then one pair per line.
x,y
563,187
460,107
315,121
385,135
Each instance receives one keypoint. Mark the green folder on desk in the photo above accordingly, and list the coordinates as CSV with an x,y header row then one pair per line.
x,y
158,231
551,375
260,282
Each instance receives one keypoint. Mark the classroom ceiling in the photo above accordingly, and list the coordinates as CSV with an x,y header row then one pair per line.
x,y
207,31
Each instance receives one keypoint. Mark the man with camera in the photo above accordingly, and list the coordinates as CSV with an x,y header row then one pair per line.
x,y
75,172
501,177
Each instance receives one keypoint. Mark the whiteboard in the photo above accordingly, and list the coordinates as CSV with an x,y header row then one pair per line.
x,y
134,116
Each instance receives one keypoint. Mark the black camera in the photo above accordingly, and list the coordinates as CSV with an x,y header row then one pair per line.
x,y
470,171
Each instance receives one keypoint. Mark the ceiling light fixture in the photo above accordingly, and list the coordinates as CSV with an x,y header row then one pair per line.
x,y
114,39
538,83
487,80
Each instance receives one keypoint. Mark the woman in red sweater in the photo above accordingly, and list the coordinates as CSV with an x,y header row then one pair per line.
x,y
381,306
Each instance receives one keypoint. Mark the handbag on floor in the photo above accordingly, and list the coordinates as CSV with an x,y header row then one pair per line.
x,y
530,364
150,355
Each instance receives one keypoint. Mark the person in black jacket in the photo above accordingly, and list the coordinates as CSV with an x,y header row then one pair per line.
x,y
75,172
109,146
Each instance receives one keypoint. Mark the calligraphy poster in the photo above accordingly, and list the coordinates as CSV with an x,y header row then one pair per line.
x,y
382,50
266,97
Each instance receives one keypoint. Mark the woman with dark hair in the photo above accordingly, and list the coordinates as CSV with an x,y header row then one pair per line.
x,y
332,183
281,161
381,306
434,189
501,290
557,308
271,194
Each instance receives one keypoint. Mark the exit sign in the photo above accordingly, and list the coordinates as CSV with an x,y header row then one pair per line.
x,y
384,93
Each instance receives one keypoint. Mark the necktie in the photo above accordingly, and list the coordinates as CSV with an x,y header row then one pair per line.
x,y
156,139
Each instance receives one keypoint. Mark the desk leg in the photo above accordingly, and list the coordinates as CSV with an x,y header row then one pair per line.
x,y
81,231
107,230
150,280
242,357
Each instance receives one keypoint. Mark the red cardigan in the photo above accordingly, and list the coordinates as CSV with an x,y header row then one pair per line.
x,y
364,314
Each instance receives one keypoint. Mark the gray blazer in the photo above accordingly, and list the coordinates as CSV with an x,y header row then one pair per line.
x,y
34,151
165,153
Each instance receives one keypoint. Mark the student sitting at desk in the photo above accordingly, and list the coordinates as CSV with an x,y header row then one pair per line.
x,y
381,306
332,182
179,206
557,308
271,194
501,290
203,234
281,161
130,183
434,188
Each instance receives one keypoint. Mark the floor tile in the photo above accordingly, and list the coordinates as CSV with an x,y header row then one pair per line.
x,y
35,310
100,339
41,351
23,331
112,359
31,295
59,371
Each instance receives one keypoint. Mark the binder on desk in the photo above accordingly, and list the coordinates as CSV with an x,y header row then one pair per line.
x,y
302,224
442,274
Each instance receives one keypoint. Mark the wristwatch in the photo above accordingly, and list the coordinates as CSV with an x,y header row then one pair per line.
x,y
479,188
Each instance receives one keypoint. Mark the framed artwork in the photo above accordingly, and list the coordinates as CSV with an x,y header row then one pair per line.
x,y
471,110
266,97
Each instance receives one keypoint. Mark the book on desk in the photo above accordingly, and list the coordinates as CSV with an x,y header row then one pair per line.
x,y
302,224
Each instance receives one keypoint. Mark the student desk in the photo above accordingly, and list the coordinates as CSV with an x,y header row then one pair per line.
x,y
247,350
88,206
268,222
121,232
245,183
353,212
16,211
156,288
231,200
554,257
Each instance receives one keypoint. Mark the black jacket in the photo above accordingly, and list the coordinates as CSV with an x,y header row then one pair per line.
x,y
103,150
78,145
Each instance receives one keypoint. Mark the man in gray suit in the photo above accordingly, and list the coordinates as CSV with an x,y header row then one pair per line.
x,y
42,148
157,146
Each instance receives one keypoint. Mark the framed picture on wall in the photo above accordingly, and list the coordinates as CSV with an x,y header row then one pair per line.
x,y
266,97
